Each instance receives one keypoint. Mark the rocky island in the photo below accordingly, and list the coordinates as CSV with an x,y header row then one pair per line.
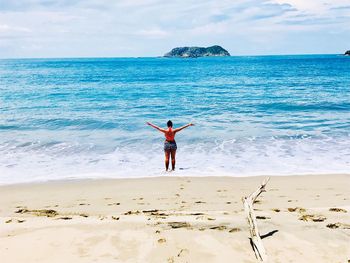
x,y
195,52
347,53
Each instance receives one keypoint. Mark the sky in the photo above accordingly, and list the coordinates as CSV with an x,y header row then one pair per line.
x,y
131,28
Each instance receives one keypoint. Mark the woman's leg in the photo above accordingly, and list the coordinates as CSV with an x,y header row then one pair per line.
x,y
167,156
173,153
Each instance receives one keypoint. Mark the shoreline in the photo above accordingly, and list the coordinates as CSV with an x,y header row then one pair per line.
x,y
166,175
175,219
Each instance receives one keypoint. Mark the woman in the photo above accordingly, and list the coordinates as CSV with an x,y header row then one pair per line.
x,y
170,144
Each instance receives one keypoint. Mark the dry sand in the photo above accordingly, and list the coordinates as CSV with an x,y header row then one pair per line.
x,y
175,219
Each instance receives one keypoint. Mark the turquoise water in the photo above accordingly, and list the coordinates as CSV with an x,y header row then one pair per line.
x,y
85,118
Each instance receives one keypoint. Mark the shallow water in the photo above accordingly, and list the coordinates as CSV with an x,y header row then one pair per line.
x,y
80,118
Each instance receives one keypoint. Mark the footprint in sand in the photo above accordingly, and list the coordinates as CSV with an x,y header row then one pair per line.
x,y
234,230
48,206
161,240
297,209
38,212
132,212
263,217
338,225
113,204
220,228
196,214
314,218
179,224
335,209
65,218
18,221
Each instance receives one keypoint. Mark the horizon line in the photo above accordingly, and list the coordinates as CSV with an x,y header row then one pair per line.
x,y
111,57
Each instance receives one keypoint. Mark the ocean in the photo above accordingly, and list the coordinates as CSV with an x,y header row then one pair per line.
x,y
259,115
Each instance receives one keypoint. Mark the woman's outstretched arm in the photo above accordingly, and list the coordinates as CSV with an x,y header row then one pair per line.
x,y
183,127
156,127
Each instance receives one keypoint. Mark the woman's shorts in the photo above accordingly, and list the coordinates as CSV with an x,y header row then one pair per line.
x,y
170,146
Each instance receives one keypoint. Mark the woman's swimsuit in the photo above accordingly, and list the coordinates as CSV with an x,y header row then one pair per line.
x,y
170,143
169,146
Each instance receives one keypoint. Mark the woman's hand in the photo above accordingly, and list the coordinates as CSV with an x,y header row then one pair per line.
x,y
191,124
148,123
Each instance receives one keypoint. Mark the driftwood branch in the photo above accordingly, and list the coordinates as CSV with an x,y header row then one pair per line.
x,y
256,241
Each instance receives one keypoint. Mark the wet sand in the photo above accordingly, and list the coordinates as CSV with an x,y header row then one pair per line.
x,y
175,219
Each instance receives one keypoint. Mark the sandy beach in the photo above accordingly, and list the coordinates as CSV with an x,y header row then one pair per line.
x,y
175,219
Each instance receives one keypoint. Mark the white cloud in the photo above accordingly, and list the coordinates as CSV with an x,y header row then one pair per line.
x,y
153,33
12,29
151,27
